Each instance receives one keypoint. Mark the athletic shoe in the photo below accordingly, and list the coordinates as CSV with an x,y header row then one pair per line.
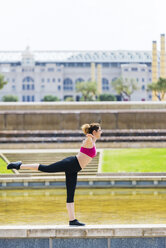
x,y
75,223
14,165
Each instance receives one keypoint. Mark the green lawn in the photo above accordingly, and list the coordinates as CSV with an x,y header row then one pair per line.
x,y
134,160
3,167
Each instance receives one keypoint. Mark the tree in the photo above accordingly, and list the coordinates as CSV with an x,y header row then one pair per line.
x,y
10,98
124,87
88,90
50,98
159,88
2,82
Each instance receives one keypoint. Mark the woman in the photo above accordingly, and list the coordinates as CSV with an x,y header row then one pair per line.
x,y
70,165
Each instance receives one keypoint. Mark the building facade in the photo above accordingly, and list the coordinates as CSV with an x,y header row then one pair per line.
x,y
33,75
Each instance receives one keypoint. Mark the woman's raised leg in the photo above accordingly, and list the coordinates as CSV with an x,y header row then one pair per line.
x,y
29,166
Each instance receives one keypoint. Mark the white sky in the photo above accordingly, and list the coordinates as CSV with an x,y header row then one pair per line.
x,y
81,24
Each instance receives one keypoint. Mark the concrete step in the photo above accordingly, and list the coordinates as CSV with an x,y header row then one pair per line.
x,y
79,139
79,134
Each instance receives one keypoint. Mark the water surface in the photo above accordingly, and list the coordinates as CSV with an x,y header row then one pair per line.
x,y
92,206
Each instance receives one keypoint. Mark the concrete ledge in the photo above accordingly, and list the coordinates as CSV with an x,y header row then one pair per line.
x,y
67,145
96,231
21,178
92,236
82,105
84,182
131,174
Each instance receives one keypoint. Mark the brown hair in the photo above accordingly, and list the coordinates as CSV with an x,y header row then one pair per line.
x,y
89,128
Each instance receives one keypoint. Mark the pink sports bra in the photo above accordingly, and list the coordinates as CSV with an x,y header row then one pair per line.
x,y
91,152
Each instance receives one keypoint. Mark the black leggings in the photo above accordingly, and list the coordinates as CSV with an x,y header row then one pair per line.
x,y
70,166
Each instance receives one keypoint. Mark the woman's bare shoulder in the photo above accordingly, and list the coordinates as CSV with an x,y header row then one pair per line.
x,y
88,142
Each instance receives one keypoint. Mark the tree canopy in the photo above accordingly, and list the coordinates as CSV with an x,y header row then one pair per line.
x,y
124,87
2,82
88,90
159,88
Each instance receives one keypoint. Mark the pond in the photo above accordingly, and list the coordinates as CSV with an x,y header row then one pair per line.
x,y
92,206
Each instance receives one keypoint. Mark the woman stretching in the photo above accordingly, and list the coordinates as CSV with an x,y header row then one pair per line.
x,y
70,165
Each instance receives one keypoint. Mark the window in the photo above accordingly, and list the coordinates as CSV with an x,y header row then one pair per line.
x,y
50,69
42,80
79,80
143,80
28,83
59,80
114,65
13,80
105,81
105,65
105,84
59,87
53,80
48,80
67,84
125,69
13,87
137,79
28,70
143,87
134,69
142,69
29,98
105,88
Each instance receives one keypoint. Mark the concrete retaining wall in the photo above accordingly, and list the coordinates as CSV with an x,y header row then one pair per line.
x,y
72,120
71,115
105,236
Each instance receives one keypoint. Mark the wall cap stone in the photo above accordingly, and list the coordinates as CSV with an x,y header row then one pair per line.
x,y
96,231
